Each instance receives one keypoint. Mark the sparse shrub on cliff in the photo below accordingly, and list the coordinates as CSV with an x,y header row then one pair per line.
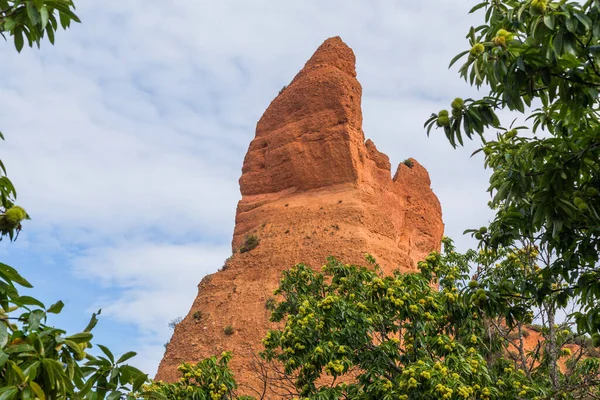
x,y
270,303
226,263
250,243
408,162
174,322
197,315
282,89
228,330
536,328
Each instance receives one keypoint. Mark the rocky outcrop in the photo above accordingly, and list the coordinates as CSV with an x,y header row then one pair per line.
x,y
311,187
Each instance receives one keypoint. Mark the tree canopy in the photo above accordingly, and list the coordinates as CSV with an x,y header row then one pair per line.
x,y
539,59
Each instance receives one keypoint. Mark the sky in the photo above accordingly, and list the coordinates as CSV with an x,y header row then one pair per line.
x,y
126,140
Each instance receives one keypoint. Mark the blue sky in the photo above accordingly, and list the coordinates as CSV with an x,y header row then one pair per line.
x,y
126,139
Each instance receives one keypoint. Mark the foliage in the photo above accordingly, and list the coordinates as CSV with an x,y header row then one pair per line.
x,y
27,20
38,360
250,243
392,337
408,162
174,322
545,188
228,330
270,303
32,20
350,332
210,379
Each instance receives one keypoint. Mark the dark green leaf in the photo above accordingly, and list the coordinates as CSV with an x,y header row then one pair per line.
x,y
108,353
126,356
3,334
56,308
29,301
11,275
82,337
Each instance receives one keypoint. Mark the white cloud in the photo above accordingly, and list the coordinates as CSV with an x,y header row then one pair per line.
x,y
126,139
158,281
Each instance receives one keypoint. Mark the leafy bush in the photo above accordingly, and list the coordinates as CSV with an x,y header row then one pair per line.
x,y
250,243
228,330
211,378
540,59
174,322
38,360
408,162
270,303
430,343
536,328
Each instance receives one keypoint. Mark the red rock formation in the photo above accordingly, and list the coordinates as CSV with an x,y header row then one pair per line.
x,y
311,187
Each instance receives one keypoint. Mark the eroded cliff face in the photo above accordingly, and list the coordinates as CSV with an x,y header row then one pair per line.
x,y
311,187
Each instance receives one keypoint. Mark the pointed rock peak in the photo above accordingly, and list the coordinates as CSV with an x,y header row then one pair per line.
x,y
336,53
311,135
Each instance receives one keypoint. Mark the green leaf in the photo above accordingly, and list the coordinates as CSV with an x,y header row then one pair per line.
x,y
31,370
75,347
557,43
19,348
35,317
11,275
29,301
126,356
139,381
37,390
32,13
93,321
82,337
584,19
549,21
477,7
45,16
3,334
114,395
108,353
50,33
3,358
457,57
56,308
9,393
571,25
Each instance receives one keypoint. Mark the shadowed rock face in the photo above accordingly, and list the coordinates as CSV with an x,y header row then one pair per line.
x,y
311,187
